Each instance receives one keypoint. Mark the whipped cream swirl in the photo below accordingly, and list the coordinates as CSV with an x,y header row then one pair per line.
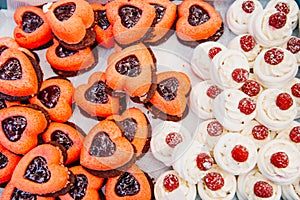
x,y
292,191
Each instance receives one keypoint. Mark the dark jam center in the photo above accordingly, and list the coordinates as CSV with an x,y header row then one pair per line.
x,y
11,70
49,96
102,146
3,161
130,15
129,66
127,185
2,104
96,93
168,88
62,138
78,190
197,15
129,126
62,52
21,195
31,22
160,12
13,127
2,48
65,11
101,19
37,170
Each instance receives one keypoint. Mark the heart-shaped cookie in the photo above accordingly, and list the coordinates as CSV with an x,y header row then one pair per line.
x,y
105,152
169,100
131,20
68,135
136,129
86,185
133,70
32,30
8,162
131,184
95,98
103,28
198,22
20,127
20,75
11,192
55,96
166,14
71,22
41,171
68,63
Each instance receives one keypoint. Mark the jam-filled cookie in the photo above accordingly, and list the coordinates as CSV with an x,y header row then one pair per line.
x,y
166,14
169,100
68,135
136,129
8,42
198,22
55,96
133,70
41,171
6,104
106,152
95,98
10,192
131,20
86,185
20,75
71,22
20,127
131,184
103,28
8,162
68,63
32,30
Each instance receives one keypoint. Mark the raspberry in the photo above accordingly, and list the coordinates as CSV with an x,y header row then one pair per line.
x,y
251,88
213,91
247,105
293,45
171,182
248,6
173,139
214,51
282,7
204,161
260,132
295,134
239,153
247,43
214,128
214,181
278,20
284,101
274,56
295,89
280,160
263,189
240,75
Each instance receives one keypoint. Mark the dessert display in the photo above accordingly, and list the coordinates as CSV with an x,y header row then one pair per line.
x,y
157,117
55,96
202,56
165,137
198,22
32,30
170,186
239,14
